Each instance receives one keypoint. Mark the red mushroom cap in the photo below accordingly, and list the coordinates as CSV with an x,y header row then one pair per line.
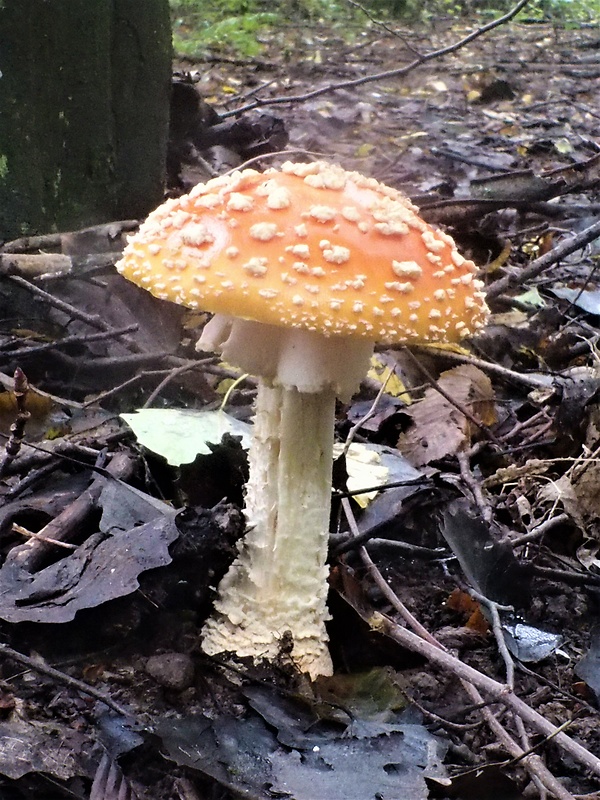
x,y
309,246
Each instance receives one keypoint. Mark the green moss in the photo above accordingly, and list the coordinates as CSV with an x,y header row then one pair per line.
x,y
3,167
239,25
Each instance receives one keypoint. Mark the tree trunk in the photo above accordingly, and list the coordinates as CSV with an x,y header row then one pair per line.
x,y
84,103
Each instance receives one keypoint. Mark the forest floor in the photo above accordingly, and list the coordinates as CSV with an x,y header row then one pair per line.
x,y
489,538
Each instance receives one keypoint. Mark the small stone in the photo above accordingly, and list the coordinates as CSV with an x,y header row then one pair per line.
x,y
171,670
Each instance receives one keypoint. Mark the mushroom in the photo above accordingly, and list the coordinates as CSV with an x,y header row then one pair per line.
x,y
305,268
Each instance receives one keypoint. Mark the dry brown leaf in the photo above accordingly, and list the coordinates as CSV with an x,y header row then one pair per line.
x,y
562,491
439,428
463,604
587,489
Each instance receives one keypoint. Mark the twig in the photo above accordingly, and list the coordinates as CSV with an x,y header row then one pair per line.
x,y
369,414
540,530
206,365
523,379
341,540
539,265
533,763
382,584
171,375
31,535
69,340
569,577
386,28
93,320
499,692
380,76
17,429
468,477
62,677
493,609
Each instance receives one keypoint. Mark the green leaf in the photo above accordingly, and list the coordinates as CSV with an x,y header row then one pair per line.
x,y
180,434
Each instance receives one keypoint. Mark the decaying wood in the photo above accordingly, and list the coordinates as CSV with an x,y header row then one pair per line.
x,y
34,266
67,524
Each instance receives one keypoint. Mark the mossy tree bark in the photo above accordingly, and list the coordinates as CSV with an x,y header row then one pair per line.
x,y
84,103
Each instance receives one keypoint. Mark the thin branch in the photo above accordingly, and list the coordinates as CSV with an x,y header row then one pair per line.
x,y
385,27
62,677
380,76
466,473
539,265
499,692
93,320
538,770
530,381
28,350
540,530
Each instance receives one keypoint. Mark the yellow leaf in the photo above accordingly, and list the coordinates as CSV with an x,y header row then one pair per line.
x,y
365,149
383,373
563,146
364,469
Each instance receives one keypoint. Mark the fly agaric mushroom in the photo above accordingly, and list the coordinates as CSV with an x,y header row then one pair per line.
x,y
305,268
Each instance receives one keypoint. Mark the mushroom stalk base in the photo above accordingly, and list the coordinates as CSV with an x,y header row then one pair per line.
x,y
278,583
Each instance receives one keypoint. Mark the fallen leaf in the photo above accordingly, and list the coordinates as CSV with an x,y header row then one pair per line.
x,y
49,747
439,428
588,668
530,644
487,561
325,759
106,566
180,434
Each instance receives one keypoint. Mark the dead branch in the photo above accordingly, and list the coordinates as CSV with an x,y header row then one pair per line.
x,y
29,350
62,677
538,770
498,692
93,320
539,265
529,381
47,241
33,266
386,74
68,523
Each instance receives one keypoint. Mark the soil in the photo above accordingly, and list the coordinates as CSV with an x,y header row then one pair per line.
x,y
104,691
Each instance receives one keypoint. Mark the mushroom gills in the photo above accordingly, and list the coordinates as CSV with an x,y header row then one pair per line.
x,y
290,357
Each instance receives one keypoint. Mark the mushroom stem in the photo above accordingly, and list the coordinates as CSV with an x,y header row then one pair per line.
x,y
278,582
